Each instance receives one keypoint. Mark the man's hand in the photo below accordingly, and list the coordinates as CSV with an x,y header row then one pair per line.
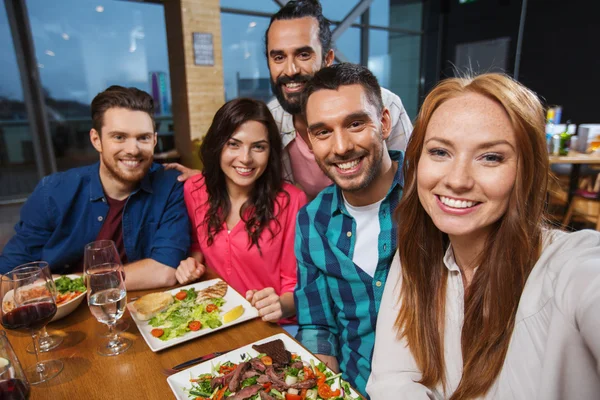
x,y
330,361
186,172
189,270
267,302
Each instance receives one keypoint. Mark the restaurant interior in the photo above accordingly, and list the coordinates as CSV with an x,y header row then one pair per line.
x,y
194,55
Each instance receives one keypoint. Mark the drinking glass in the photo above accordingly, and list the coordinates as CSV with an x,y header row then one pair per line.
x,y
106,292
102,252
46,342
28,304
13,382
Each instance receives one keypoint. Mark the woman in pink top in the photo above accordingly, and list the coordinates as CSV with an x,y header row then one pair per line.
x,y
243,215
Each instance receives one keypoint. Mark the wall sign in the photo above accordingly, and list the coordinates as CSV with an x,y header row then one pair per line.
x,y
203,49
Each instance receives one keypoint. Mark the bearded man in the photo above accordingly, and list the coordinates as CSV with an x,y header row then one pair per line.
x,y
124,197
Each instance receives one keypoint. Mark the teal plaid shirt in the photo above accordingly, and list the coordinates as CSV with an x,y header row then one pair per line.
x,y
336,301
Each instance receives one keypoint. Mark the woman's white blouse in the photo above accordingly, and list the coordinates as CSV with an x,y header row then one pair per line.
x,y
554,352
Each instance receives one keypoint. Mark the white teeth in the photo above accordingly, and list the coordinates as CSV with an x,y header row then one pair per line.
x,y
349,164
456,203
292,85
130,163
243,170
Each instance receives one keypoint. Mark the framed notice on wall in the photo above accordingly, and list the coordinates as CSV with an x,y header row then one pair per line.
x,y
203,49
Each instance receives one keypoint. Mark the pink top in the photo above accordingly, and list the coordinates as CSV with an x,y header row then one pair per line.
x,y
305,169
244,268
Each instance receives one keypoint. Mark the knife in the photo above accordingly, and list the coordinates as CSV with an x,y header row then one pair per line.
x,y
197,360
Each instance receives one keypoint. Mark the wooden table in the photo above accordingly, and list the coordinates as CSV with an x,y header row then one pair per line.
x,y
576,160
135,374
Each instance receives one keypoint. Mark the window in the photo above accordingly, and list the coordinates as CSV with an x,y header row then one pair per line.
x,y
81,49
18,170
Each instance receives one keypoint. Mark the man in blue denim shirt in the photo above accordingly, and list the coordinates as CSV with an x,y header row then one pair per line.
x,y
124,197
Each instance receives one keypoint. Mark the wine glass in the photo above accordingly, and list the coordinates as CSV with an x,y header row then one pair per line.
x,y
13,382
106,292
103,252
46,342
28,304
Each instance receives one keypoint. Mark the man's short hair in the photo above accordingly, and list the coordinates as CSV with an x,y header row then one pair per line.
x,y
300,9
120,97
334,76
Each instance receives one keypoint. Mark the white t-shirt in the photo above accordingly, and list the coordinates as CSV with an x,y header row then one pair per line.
x,y
366,247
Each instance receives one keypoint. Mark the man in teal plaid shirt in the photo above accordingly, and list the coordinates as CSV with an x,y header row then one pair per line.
x,y
346,238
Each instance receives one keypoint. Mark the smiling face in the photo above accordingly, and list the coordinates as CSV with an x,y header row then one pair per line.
x,y
347,136
468,166
294,55
126,146
245,156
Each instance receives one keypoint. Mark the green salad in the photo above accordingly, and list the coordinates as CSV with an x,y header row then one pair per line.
x,y
185,315
64,284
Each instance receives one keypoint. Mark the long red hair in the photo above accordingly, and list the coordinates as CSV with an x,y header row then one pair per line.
x,y
509,254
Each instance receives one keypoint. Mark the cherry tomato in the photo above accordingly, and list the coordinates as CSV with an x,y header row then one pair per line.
x,y
195,325
289,396
326,392
267,387
266,360
211,308
181,295
157,332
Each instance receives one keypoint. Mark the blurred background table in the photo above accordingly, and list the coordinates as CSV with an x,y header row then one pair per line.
x,y
576,160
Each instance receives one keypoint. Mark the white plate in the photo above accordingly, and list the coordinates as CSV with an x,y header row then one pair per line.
x,y
63,309
181,380
232,299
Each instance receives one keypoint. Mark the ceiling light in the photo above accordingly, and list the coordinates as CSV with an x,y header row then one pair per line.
x,y
50,53
65,36
99,9
252,24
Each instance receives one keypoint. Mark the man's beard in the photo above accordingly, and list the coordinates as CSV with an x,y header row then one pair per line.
x,y
293,104
117,174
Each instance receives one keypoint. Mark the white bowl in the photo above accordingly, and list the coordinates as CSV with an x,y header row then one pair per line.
x,y
67,308
63,309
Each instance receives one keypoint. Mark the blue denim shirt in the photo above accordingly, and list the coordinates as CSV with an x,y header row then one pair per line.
x,y
66,211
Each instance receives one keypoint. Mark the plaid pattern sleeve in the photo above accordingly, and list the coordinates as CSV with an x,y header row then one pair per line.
x,y
336,301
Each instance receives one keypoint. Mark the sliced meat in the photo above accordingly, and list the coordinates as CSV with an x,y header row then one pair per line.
x,y
266,396
307,384
276,350
276,380
246,392
263,379
236,379
297,365
249,374
216,381
258,365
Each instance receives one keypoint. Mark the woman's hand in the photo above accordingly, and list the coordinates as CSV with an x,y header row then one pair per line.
x,y
267,302
189,270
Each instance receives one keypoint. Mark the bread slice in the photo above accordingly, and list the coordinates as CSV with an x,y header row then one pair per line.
x,y
151,304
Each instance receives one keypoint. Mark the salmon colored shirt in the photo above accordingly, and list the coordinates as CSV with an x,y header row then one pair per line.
x,y
241,266
305,169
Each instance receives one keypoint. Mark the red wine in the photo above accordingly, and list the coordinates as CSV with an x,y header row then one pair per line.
x,y
13,389
29,317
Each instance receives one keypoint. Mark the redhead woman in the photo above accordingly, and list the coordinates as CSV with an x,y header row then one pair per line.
x,y
483,299
242,214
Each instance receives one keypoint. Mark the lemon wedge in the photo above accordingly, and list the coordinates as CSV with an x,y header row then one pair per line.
x,y
233,314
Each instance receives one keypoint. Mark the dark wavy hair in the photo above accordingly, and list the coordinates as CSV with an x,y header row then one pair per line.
x,y
296,9
261,203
